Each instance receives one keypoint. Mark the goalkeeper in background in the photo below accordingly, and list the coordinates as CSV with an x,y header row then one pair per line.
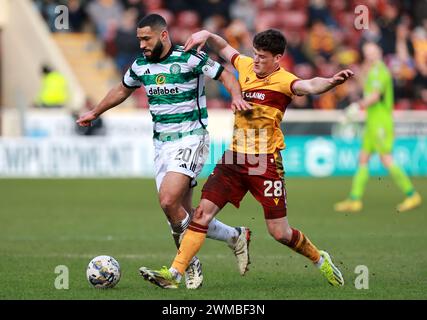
x,y
378,134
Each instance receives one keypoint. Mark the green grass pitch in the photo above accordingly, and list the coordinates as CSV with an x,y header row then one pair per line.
x,y
46,223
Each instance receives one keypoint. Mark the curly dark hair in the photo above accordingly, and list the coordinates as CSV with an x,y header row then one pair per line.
x,y
271,40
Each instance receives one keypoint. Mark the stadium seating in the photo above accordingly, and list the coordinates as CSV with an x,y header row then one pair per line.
x,y
298,16
94,70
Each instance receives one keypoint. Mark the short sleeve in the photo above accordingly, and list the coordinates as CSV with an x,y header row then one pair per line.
x,y
131,79
241,62
288,83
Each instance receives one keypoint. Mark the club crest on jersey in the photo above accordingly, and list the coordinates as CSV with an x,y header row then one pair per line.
x,y
160,79
175,68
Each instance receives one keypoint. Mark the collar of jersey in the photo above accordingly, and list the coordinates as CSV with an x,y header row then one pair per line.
x,y
278,68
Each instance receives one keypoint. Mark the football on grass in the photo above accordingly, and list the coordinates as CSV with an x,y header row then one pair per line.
x,y
103,272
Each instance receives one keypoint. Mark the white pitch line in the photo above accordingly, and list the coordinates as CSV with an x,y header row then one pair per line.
x,y
134,256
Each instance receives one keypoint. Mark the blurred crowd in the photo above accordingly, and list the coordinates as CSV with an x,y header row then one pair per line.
x,y
321,35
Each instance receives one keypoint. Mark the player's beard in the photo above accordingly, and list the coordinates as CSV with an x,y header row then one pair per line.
x,y
156,52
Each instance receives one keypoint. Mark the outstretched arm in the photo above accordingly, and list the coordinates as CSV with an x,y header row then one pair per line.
x,y
113,98
218,44
320,85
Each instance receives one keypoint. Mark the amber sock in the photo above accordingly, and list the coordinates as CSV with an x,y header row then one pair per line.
x,y
191,243
301,244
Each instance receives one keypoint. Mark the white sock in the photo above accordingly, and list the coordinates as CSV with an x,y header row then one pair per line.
x,y
178,229
319,263
220,231
182,225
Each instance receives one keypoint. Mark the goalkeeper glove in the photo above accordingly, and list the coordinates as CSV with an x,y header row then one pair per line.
x,y
352,111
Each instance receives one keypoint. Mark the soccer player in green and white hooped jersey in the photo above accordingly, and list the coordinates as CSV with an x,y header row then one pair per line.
x,y
174,83
378,136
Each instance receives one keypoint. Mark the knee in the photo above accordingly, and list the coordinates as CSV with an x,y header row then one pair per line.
x,y
387,161
281,235
167,202
202,216
363,159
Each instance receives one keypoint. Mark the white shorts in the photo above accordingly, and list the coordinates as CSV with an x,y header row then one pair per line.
x,y
186,155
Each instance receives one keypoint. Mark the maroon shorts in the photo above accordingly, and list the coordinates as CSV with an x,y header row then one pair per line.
x,y
237,173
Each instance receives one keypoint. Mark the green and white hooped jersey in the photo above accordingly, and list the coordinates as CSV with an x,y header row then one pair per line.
x,y
175,88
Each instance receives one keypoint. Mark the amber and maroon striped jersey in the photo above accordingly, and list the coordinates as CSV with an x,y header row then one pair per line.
x,y
257,131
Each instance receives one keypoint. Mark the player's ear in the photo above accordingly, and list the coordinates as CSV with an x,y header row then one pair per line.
x,y
164,35
277,58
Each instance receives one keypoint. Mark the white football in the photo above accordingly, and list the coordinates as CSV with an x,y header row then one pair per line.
x,y
103,272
